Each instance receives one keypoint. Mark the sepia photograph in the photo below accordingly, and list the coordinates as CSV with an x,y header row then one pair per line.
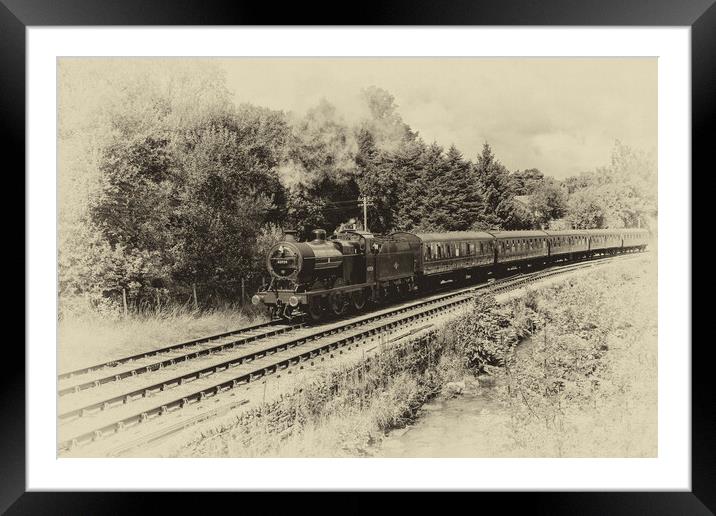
x,y
344,257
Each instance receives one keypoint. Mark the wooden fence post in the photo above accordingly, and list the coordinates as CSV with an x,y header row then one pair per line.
x,y
196,301
243,292
159,302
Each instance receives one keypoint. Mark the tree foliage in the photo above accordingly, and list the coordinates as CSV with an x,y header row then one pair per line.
x,y
622,194
525,182
548,201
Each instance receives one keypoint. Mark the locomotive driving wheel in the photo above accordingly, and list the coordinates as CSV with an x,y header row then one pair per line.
x,y
315,310
358,300
336,299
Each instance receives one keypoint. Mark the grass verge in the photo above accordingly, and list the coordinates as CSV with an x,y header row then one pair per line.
x,y
88,338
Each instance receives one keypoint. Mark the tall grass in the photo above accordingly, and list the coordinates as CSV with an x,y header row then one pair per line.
x,y
86,337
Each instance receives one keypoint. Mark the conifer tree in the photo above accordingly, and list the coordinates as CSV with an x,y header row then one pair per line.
x,y
376,181
498,209
465,203
408,164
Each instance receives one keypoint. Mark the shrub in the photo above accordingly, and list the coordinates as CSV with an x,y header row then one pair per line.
x,y
484,337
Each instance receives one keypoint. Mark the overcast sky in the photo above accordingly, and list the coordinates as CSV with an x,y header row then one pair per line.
x,y
559,115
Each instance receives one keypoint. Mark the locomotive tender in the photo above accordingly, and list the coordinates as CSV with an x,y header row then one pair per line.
x,y
352,267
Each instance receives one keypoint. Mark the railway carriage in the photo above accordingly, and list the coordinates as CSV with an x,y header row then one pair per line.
x,y
520,246
569,244
604,241
447,257
635,239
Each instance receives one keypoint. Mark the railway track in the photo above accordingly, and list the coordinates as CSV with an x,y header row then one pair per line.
x,y
108,398
95,376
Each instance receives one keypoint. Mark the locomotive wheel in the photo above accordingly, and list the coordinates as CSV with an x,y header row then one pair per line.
x,y
336,303
402,291
315,310
358,299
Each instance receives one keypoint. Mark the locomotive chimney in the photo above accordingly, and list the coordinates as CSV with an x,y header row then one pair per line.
x,y
319,235
289,235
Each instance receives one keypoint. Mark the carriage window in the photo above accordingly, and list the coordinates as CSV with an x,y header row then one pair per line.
x,y
427,252
440,251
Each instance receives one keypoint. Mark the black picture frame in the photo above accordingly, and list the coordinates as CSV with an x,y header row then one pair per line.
x,y
700,15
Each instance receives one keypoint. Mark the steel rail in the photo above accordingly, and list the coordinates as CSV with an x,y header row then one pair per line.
x,y
241,339
172,347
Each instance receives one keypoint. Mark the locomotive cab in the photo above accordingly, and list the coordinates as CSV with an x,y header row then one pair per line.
x,y
357,245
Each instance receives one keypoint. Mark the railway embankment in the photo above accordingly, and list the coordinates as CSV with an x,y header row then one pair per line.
x,y
570,369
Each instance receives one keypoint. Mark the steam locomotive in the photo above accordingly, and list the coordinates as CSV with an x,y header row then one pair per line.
x,y
328,276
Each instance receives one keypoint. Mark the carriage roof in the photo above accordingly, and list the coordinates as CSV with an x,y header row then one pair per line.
x,y
503,235
449,236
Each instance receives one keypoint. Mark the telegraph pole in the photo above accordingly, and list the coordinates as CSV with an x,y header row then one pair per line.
x,y
365,213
